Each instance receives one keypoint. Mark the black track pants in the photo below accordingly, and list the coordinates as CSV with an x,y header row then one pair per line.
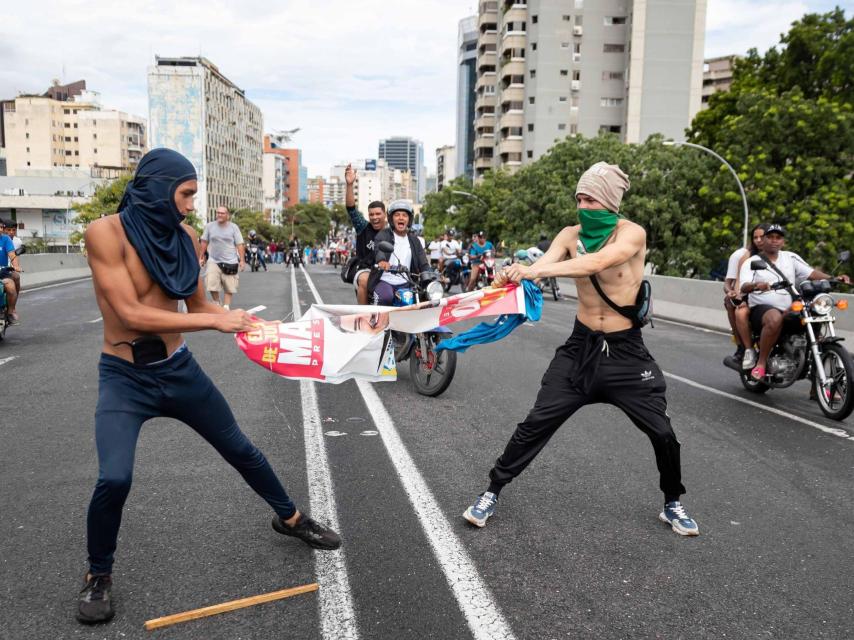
x,y
592,367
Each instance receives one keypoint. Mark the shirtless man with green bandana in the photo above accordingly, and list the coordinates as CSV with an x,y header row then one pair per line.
x,y
605,359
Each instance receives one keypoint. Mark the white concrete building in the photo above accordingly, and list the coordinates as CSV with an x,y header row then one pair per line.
x,y
197,111
274,187
446,165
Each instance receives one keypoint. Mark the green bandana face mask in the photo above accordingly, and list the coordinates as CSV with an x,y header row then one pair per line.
x,y
596,227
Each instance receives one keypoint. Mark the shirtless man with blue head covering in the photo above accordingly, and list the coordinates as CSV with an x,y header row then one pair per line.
x,y
144,260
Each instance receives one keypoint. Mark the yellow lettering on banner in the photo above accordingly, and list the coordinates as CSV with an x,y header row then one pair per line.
x,y
264,333
270,354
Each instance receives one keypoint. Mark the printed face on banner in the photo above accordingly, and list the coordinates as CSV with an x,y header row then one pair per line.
x,y
492,302
292,349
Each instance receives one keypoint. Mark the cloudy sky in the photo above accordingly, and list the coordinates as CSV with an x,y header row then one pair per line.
x,y
346,73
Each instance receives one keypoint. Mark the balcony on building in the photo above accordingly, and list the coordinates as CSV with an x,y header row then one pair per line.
x,y
510,78
512,94
484,141
514,28
485,119
488,7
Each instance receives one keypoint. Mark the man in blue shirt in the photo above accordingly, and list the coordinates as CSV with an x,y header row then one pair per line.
x,y
480,246
8,264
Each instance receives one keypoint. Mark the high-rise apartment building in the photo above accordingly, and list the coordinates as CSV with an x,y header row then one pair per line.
x,y
334,191
315,190
446,165
406,154
717,76
72,133
467,36
197,111
552,68
296,187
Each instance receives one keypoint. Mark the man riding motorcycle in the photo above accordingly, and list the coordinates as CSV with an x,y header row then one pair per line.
x,y
479,247
768,308
408,253
8,266
258,243
366,231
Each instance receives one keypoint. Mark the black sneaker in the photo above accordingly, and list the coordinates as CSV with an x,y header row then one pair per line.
x,y
94,603
309,531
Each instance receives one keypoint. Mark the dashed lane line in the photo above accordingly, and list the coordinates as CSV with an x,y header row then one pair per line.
x,y
5,360
337,615
58,284
96,320
481,612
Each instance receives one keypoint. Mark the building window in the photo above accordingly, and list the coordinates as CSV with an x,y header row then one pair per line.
x,y
94,151
28,149
533,46
94,136
579,20
68,138
573,129
75,139
561,99
533,73
614,48
612,75
612,20
68,153
566,18
530,154
561,126
611,102
534,19
530,127
610,128
576,75
76,153
28,163
531,100
27,136
67,125
564,72
564,45
75,125
66,111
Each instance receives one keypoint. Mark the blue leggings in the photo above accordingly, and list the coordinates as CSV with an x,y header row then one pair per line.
x,y
128,395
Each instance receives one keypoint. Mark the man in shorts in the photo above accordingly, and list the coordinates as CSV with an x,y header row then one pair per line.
x,y
226,253
366,231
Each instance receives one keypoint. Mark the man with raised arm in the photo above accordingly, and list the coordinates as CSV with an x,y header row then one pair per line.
x,y
605,359
144,260
366,231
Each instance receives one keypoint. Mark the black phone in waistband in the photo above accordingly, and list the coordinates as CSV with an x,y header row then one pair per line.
x,y
146,349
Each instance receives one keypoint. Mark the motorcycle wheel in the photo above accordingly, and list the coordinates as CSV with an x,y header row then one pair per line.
x,y
754,386
839,367
432,374
402,346
553,284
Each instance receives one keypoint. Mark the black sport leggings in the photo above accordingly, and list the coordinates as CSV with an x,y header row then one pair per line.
x,y
592,367
128,395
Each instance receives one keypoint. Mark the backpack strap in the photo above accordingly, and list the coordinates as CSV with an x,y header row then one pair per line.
x,y
629,312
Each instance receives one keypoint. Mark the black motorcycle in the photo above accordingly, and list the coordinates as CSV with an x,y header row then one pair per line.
x,y
808,348
431,371
254,258
5,319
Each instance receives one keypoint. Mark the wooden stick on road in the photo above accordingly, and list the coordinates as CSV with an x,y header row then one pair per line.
x,y
165,621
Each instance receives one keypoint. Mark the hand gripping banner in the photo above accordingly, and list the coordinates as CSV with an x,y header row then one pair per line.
x,y
334,343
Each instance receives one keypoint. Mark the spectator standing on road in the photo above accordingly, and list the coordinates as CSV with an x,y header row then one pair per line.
x,y
226,252
435,248
144,261
366,232
605,359
273,250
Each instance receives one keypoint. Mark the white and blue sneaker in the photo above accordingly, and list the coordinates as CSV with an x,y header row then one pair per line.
x,y
480,511
675,515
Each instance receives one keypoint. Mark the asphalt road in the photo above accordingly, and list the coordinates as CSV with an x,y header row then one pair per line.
x,y
575,549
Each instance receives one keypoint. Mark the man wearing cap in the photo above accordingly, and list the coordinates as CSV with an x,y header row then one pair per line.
x,y
605,359
768,307
9,269
408,253
479,246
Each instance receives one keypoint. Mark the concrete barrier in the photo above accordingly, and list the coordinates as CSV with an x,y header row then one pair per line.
x,y
700,303
49,268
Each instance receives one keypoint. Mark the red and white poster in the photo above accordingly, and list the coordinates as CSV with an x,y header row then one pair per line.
x,y
334,343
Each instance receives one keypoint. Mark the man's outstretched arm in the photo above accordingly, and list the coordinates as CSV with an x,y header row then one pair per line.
x,y
114,283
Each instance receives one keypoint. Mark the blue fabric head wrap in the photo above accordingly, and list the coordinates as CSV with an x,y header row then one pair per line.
x,y
152,222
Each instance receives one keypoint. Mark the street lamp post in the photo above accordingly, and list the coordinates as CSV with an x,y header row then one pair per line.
x,y
674,143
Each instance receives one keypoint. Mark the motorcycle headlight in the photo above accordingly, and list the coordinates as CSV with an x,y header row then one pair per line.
x,y
435,291
822,304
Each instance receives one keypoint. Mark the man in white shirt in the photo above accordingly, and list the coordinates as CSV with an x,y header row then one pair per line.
x,y
737,310
450,249
224,245
435,248
768,307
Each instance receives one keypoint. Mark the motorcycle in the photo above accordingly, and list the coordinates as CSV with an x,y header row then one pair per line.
x,y
808,348
254,259
529,257
431,371
456,272
486,273
295,256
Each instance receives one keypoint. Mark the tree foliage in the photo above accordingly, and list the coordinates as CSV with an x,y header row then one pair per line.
x,y
786,126
312,223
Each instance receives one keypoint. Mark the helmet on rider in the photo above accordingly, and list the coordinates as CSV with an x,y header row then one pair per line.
x,y
534,253
252,233
400,205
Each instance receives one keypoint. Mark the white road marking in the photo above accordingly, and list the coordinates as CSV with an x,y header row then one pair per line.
x,y
257,309
484,618
337,615
58,284
335,434
840,433
5,360
95,320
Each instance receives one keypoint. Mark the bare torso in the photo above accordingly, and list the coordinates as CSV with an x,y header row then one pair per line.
x,y
619,282
148,293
